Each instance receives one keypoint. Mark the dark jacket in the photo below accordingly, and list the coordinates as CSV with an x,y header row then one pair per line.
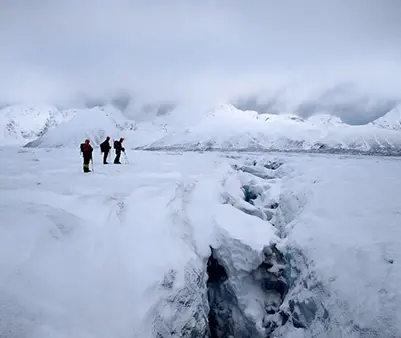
x,y
86,150
105,146
118,146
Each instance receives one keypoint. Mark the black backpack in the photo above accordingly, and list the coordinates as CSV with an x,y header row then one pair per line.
x,y
116,145
103,146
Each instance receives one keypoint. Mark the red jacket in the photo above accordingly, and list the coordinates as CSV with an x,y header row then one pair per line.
x,y
86,149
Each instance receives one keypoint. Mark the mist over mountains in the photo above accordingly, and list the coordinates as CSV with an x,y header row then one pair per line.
x,y
344,100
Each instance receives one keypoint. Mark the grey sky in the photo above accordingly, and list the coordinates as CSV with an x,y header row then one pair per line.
x,y
58,50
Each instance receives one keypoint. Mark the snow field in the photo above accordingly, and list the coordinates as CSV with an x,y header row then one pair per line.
x,y
349,230
86,253
303,246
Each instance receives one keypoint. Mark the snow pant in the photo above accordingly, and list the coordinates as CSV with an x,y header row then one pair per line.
x,y
86,163
105,155
118,154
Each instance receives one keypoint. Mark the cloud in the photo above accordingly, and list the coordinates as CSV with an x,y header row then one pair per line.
x,y
344,100
352,107
177,50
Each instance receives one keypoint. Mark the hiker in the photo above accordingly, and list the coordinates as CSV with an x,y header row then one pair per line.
x,y
118,147
105,148
86,150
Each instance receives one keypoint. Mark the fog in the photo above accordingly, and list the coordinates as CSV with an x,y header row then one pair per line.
x,y
339,56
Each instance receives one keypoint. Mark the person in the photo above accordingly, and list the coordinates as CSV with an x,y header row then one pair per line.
x,y
105,148
86,150
118,146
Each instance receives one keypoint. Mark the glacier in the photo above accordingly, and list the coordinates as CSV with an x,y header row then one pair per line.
x,y
225,224
186,244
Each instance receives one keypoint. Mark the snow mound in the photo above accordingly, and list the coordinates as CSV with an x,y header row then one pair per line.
x,y
20,124
392,120
95,123
227,128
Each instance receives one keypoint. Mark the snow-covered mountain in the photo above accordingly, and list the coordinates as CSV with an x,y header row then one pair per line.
x,y
392,120
227,128
20,124
222,128
95,123
325,120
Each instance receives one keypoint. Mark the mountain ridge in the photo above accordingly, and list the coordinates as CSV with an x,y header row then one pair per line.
x,y
224,127
94,123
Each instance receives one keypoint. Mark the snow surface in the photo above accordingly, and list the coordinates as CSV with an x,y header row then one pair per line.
x,y
122,251
348,229
87,254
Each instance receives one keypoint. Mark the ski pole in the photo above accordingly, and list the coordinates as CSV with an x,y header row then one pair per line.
x,y
92,165
126,158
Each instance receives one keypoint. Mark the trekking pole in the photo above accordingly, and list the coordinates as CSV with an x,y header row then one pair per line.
x,y
92,165
126,158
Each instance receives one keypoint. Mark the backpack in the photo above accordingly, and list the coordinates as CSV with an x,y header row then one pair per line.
x,y
116,145
84,147
103,146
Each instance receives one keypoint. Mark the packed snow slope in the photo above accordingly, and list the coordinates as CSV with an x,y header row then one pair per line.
x,y
228,128
199,245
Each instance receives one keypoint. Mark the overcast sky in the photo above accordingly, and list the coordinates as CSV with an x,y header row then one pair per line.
x,y
52,50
